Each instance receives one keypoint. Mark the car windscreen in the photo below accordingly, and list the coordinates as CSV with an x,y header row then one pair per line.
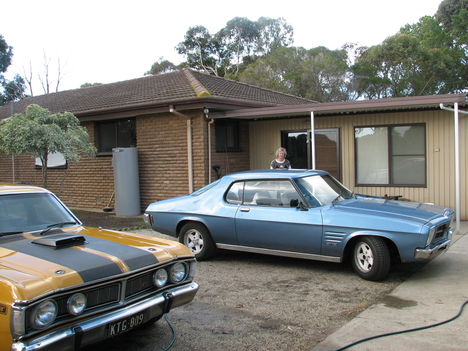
x,y
30,212
321,190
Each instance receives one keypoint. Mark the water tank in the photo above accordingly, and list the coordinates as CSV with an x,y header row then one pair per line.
x,y
126,181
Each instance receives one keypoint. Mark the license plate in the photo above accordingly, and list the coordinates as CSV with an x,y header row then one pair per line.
x,y
126,324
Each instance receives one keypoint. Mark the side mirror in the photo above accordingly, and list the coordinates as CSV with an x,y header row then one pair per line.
x,y
298,204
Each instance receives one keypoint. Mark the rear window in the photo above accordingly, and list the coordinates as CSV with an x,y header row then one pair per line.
x,y
205,188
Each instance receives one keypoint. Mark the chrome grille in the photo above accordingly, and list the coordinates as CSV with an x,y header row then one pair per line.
x,y
95,298
106,296
440,233
139,284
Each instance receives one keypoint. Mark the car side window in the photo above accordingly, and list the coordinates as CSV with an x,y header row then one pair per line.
x,y
273,193
234,194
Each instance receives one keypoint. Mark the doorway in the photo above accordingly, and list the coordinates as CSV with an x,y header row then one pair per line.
x,y
327,149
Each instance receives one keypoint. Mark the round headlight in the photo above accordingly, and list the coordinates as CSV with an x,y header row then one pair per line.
x,y
178,272
160,277
44,314
76,304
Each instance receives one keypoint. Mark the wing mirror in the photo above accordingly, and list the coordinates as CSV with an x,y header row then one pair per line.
x,y
297,204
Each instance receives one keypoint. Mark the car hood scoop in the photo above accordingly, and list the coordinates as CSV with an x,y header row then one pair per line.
x,y
61,240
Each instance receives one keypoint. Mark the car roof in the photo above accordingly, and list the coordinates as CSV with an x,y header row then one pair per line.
x,y
20,188
275,174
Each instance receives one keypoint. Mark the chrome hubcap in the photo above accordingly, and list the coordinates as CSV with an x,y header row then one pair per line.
x,y
364,257
194,241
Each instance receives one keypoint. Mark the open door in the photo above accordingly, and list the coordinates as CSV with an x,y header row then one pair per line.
x,y
327,149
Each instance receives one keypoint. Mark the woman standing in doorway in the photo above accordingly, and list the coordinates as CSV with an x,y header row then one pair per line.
x,y
280,162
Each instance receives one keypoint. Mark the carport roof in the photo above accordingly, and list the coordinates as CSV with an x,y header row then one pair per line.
x,y
349,107
183,86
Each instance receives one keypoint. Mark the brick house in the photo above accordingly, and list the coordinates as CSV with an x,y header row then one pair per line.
x,y
164,116
183,123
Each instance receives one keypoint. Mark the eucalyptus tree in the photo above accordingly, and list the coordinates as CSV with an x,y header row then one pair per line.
x,y
233,47
317,74
421,59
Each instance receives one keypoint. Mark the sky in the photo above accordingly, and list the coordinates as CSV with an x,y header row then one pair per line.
x,y
109,41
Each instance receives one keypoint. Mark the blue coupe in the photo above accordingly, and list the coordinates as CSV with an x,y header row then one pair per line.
x,y
303,214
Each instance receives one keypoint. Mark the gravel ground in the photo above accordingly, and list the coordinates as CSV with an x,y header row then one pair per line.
x,y
260,302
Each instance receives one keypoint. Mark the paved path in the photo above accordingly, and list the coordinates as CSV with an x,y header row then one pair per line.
x,y
431,295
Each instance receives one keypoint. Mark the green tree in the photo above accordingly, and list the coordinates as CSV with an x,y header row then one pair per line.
x,y
317,74
232,48
453,16
421,59
40,132
203,51
11,90
87,85
161,66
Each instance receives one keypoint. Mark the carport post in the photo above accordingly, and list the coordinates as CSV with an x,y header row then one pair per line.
x,y
312,138
456,142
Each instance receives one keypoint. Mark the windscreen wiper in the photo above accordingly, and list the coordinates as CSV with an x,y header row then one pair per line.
x,y
55,225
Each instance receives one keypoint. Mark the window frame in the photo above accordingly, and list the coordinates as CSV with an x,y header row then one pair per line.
x,y
390,155
115,123
225,124
241,201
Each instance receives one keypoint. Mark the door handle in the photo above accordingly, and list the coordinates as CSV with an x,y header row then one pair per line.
x,y
245,209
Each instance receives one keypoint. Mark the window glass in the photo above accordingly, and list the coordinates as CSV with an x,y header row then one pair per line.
x,y
277,193
408,155
321,190
372,155
296,143
29,212
54,160
205,188
409,170
393,155
408,140
234,194
227,136
120,133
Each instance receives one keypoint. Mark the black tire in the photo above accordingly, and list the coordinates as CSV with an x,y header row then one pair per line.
x,y
371,258
197,238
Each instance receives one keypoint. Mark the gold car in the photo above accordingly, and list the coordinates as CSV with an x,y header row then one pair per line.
x,y
64,285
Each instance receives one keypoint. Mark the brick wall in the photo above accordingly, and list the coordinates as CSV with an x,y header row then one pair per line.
x,y
86,184
231,162
162,158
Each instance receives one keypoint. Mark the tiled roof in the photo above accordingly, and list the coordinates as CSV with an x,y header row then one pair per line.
x,y
157,89
231,89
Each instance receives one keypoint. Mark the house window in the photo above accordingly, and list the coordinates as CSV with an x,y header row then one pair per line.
x,y
119,133
54,160
227,136
391,155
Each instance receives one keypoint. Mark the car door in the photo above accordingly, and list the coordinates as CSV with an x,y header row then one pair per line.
x,y
265,218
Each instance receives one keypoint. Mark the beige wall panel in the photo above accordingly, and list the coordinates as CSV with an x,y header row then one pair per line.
x,y
265,138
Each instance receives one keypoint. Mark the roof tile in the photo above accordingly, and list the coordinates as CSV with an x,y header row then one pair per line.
x,y
164,88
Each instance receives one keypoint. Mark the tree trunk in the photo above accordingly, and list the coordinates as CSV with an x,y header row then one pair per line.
x,y
44,160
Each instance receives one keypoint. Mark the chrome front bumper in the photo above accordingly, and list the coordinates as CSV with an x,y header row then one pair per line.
x,y
429,254
96,328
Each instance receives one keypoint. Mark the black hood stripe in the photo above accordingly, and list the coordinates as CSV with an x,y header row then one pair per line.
x,y
133,257
88,265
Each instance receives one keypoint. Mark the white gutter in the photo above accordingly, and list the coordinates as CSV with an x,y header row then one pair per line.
x,y
457,160
189,145
312,138
190,154
210,122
